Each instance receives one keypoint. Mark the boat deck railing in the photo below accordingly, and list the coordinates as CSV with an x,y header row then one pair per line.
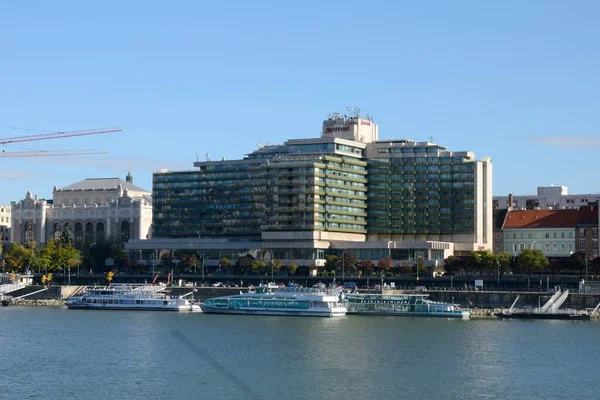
x,y
318,291
541,311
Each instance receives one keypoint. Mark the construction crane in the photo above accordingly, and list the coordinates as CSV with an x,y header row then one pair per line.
x,y
45,153
53,135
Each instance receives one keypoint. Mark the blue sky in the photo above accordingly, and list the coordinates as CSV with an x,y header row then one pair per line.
x,y
516,81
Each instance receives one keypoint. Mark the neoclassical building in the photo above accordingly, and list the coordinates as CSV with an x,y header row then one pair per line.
x,y
91,210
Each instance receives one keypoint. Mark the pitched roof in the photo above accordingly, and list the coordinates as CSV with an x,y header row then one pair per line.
x,y
499,217
588,215
103,183
541,219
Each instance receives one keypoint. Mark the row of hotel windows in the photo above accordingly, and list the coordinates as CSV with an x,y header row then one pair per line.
x,y
517,247
554,246
563,235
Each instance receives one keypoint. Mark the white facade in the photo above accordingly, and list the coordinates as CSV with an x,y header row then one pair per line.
x,y
90,210
547,198
5,219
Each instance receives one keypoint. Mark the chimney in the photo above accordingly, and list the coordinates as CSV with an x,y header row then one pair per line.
x,y
510,201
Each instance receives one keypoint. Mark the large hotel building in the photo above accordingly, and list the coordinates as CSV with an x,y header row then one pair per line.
x,y
308,198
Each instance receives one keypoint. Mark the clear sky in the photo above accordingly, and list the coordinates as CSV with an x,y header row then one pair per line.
x,y
517,81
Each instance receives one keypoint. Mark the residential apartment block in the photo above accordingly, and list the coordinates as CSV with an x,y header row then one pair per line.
x,y
306,198
547,198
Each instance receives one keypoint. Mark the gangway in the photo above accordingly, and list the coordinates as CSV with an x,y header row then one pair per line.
x,y
29,294
559,302
551,301
11,287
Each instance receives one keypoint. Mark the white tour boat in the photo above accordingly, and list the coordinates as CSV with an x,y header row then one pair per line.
x,y
318,301
411,305
132,297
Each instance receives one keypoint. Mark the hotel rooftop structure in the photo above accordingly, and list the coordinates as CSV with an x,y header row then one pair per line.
x,y
308,198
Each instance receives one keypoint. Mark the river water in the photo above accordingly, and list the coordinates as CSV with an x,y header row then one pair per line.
x,y
55,353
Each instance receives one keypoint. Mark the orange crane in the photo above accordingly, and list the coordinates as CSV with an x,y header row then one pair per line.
x,y
53,135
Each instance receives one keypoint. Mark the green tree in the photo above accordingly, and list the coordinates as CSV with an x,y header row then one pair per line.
x,y
277,264
452,265
102,250
243,264
66,237
483,260
581,259
292,268
45,256
504,261
331,263
532,260
19,257
225,263
258,266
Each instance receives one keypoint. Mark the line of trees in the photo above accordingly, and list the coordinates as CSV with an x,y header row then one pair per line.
x,y
55,255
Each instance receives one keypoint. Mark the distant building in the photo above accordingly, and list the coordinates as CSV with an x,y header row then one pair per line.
x,y
498,242
307,198
5,220
90,210
586,231
551,231
547,198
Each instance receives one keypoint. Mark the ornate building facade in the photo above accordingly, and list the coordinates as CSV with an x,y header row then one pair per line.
x,y
90,210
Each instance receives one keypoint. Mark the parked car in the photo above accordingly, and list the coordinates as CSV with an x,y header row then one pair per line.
x,y
218,284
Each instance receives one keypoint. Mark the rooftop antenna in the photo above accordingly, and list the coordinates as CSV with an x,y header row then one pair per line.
x,y
197,156
431,139
357,111
206,156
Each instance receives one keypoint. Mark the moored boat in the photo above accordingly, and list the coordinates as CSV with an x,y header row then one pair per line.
x,y
318,301
411,305
132,297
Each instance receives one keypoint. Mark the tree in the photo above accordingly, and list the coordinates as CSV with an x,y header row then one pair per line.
x,y
191,260
331,263
19,257
483,260
109,277
581,259
102,250
225,263
292,268
385,264
44,257
504,261
276,264
243,264
66,237
349,260
366,265
452,265
258,266
532,260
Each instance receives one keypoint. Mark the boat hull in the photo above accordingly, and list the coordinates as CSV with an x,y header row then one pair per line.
x,y
113,307
300,313
568,317
459,315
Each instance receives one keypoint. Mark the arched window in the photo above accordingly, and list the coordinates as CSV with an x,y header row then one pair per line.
x,y
100,231
78,232
124,231
29,236
89,232
56,231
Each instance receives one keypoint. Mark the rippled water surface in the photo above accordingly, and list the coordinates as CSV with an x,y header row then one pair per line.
x,y
84,354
